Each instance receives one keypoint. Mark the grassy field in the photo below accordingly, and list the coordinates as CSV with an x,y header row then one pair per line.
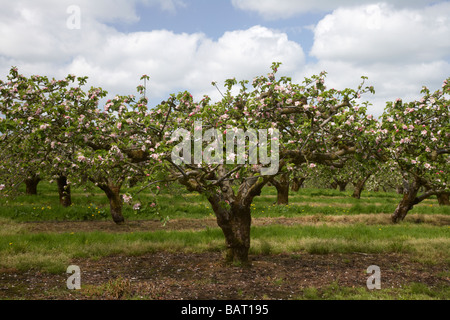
x,y
317,223
93,205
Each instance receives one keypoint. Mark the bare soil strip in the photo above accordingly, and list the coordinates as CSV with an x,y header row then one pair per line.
x,y
176,276
184,275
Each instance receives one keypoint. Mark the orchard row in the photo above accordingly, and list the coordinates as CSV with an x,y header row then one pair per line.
x,y
55,129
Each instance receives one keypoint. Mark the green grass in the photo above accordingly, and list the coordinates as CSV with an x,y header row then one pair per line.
x,y
52,251
411,291
427,244
333,222
425,241
92,204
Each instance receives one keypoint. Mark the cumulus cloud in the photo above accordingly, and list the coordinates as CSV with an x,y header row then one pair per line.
x,y
282,9
244,54
37,32
186,61
389,80
400,50
380,32
38,41
399,47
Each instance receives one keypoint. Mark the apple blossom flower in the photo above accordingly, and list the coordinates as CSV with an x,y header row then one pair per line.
x,y
127,198
231,156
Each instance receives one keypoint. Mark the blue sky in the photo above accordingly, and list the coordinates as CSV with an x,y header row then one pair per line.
x,y
400,45
214,18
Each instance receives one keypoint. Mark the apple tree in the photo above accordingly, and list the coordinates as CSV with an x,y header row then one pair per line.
x,y
304,124
416,141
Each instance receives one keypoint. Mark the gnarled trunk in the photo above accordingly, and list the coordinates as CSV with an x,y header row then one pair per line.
x,y
359,186
235,221
65,198
342,185
31,185
282,187
443,199
297,183
115,202
410,190
232,211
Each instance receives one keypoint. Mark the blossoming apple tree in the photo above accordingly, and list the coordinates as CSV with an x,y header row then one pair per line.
x,y
58,130
304,124
416,140
34,130
315,125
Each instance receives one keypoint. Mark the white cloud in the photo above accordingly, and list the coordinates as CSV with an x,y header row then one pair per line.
x,y
379,32
390,81
186,61
37,41
246,53
400,50
281,9
167,5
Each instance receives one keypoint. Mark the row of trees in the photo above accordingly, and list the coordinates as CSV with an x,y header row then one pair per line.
x,y
54,128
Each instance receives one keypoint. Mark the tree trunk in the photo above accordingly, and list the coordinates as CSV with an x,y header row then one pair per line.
x,y
399,189
233,212
282,187
359,186
235,221
410,191
115,202
297,183
65,198
342,185
31,185
443,199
